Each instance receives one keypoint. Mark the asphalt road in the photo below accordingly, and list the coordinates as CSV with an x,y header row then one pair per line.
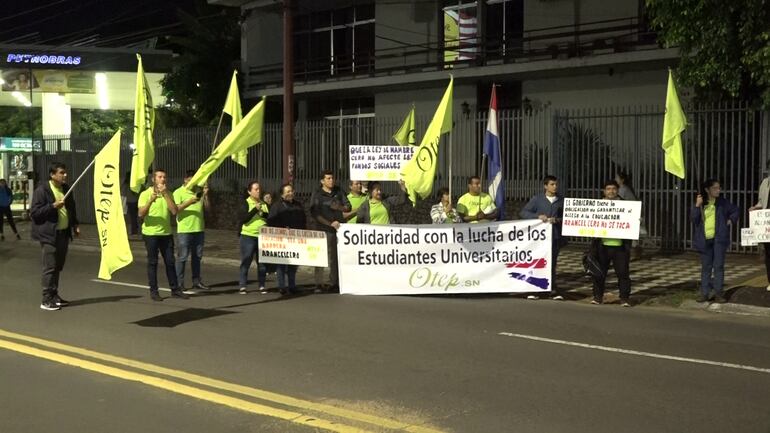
x,y
223,362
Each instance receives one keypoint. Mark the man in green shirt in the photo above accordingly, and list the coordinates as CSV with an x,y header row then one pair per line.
x,y
190,224
617,251
356,197
156,205
475,206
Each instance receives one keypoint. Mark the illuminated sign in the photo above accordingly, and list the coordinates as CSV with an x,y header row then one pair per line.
x,y
43,59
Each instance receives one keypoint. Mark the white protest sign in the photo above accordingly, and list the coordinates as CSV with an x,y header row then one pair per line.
x,y
759,223
748,238
378,162
499,257
292,247
600,218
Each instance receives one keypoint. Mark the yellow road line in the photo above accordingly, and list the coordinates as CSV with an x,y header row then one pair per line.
x,y
231,387
235,403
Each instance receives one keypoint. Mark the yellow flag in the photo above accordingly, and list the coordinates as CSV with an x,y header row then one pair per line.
x,y
144,124
233,108
111,227
246,133
673,124
419,172
405,134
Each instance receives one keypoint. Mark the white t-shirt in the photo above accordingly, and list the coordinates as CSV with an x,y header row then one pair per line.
x,y
551,199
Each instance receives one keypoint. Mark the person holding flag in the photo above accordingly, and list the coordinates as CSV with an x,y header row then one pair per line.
x,y
54,220
190,223
494,158
475,206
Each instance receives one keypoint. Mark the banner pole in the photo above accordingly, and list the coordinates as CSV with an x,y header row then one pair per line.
x,y
450,165
72,187
216,134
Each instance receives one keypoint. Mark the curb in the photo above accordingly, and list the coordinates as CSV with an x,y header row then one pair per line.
x,y
730,308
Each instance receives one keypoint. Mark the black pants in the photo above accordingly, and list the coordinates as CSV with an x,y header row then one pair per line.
x,y
5,211
620,258
53,257
767,260
133,216
331,249
165,246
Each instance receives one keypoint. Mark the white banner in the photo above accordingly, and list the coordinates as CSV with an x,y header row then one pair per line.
x,y
378,162
759,223
748,238
499,257
292,247
594,218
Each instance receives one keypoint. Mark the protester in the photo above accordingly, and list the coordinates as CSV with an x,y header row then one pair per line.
x,y
548,207
253,215
156,205
377,210
356,197
712,216
475,206
267,198
287,213
615,251
763,201
54,220
190,225
443,212
132,205
326,207
6,198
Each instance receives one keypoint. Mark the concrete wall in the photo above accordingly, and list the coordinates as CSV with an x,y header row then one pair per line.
x,y
261,39
401,24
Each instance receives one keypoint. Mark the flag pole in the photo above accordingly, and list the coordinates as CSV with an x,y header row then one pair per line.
x,y
216,134
450,166
78,179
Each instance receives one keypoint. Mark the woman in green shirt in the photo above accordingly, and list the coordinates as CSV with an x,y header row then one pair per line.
x,y
253,216
379,211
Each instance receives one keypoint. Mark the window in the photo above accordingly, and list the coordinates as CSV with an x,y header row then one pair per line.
x,y
504,27
334,42
460,31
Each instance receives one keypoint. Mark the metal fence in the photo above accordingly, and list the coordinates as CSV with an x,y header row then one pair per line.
x,y
582,147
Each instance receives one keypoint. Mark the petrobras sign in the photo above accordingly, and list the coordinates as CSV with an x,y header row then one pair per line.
x,y
42,59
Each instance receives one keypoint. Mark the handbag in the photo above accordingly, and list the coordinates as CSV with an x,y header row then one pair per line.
x,y
591,265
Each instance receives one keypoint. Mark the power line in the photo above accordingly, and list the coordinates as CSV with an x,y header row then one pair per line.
x,y
31,10
53,16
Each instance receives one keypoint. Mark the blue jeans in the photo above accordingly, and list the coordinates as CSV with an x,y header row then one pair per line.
x,y
249,253
291,272
165,246
712,258
190,244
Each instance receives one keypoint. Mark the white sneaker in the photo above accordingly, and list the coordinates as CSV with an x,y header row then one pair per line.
x,y
242,291
262,290
532,297
558,298
768,288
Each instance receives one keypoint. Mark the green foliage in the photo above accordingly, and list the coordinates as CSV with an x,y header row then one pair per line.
x,y
195,90
101,121
16,121
725,46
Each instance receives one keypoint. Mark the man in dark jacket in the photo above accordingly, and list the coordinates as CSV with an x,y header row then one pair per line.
x,y
548,207
54,220
326,207
287,213
615,251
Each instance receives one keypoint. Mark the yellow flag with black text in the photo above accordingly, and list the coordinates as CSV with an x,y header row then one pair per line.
x,y
245,134
233,108
674,124
144,124
405,134
110,225
419,172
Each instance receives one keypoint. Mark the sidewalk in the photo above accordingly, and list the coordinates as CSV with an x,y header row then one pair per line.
x,y
657,278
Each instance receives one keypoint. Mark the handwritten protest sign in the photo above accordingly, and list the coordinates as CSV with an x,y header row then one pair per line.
x,y
595,218
378,162
759,223
292,247
511,256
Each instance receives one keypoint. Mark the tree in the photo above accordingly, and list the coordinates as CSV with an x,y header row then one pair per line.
x,y
725,46
196,88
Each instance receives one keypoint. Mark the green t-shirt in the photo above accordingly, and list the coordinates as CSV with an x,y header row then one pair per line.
x,y
471,205
378,214
190,219
63,221
355,203
710,220
157,221
251,228
611,242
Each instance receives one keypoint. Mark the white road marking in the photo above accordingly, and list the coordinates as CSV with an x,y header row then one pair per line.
x,y
638,353
138,286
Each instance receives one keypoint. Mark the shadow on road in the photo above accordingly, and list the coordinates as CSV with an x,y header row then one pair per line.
x,y
103,299
176,318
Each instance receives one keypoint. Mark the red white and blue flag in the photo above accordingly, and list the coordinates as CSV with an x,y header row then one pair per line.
x,y
494,159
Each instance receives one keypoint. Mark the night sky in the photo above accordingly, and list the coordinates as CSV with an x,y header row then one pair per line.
x,y
109,23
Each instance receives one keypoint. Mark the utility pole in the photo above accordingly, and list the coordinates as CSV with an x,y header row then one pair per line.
x,y
288,92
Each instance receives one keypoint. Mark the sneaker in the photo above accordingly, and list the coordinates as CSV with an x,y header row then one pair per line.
x,y
701,299
768,288
596,301
59,301
18,237
201,286
262,290
532,297
625,303
155,296
179,294
719,299
49,305
242,290
558,298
